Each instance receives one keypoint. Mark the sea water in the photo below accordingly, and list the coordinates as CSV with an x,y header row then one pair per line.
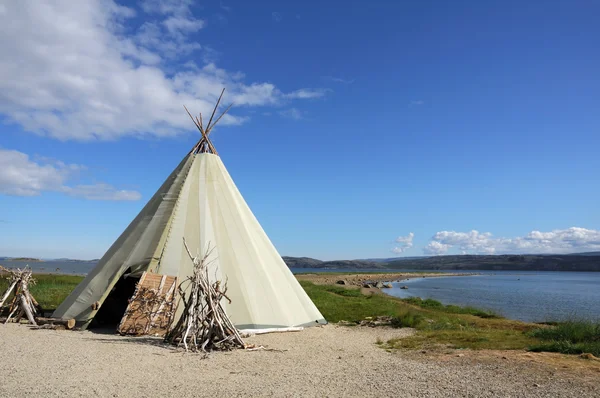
x,y
525,295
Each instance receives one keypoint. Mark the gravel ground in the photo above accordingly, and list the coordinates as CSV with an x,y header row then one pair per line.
x,y
321,361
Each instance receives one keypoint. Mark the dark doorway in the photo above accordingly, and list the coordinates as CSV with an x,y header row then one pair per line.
x,y
112,310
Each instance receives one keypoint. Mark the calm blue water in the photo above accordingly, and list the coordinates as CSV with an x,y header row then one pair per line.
x,y
526,295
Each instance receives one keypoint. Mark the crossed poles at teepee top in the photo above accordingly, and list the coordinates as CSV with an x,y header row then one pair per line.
x,y
204,144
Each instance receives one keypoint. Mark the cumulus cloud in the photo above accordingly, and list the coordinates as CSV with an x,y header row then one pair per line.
x,y
84,70
436,248
22,176
570,240
404,243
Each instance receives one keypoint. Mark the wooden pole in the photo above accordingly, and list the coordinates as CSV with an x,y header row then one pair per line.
x,y
7,293
27,308
214,110
219,118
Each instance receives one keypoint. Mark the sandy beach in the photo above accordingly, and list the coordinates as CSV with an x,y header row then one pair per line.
x,y
322,361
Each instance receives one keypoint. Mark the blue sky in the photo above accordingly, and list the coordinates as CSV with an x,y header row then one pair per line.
x,y
360,129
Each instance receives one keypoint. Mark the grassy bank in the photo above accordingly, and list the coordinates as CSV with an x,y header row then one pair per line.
x,y
569,338
438,325
50,289
452,326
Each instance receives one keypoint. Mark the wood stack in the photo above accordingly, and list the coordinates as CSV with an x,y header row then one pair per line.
x,y
152,306
22,302
203,325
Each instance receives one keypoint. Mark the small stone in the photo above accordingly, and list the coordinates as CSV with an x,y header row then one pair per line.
x,y
504,358
423,352
536,385
460,355
341,282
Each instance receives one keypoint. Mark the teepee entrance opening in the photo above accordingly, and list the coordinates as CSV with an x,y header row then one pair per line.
x,y
112,310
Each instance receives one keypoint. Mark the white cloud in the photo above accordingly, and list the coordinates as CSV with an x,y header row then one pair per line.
x,y
82,70
21,176
291,113
307,93
339,80
417,102
179,25
404,243
473,241
167,7
436,248
101,191
568,240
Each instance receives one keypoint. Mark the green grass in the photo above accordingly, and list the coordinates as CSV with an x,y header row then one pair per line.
x,y
49,290
337,303
572,337
471,338
452,309
450,326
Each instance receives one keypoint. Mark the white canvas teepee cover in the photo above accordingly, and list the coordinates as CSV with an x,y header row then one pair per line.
x,y
208,211
200,202
211,211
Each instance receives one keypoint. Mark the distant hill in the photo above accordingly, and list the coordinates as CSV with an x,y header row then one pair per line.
x,y
302,262
307,262
28,259
70,260
389,260
586,254
528,262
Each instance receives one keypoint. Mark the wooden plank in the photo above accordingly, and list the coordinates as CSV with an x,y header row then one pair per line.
x,y
151,307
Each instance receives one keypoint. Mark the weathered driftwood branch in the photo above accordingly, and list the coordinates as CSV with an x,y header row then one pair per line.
x,y
252,332
150,310
67,323
23,302
49,323
203,325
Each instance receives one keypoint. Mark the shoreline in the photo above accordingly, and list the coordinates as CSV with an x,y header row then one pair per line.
x,y
359,279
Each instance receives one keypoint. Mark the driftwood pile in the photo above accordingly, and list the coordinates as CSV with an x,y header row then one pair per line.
x,y
203,326
22,302
150,310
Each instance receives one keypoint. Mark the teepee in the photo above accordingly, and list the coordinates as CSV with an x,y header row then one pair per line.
x,y
198,204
